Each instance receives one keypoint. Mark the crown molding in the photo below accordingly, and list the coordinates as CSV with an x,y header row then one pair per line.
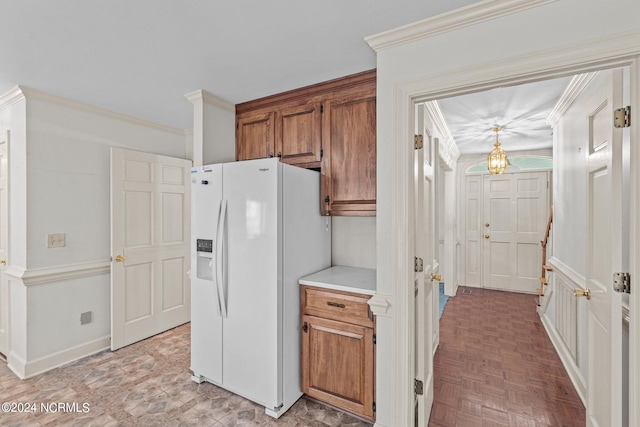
x,y
448,150
81,106
574,89
449,21
211,99
11,97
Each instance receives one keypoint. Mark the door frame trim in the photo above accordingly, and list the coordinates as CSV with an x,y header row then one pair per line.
x,y
615,51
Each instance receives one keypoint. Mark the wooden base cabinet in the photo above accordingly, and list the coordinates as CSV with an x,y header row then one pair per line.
x,y
338,351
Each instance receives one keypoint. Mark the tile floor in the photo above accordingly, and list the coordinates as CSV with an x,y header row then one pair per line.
x,y
495,366
146,384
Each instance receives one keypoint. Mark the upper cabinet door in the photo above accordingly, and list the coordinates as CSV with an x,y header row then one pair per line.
x,y
255,136
349,163
298,134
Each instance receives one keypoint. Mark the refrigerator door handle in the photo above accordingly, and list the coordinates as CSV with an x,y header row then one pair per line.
x,y
221,259
218,309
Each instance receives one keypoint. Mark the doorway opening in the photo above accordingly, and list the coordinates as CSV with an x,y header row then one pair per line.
x,y
493,207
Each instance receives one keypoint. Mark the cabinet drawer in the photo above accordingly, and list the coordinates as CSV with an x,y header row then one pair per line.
x,y
337,305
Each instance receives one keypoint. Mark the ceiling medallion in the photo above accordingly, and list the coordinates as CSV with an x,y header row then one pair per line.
x,y
497,160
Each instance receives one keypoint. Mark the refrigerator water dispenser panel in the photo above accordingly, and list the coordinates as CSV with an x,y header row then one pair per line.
x,y
204,269
204,245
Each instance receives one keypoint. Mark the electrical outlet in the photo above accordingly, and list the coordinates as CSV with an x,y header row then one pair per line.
x,y
55,240
85,317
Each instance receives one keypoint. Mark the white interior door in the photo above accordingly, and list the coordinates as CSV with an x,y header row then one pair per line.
x,y
473,230
4,241
150,202
604,255
515,218
424,240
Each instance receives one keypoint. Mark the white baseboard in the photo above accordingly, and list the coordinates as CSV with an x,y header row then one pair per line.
x,y
24,369
565,356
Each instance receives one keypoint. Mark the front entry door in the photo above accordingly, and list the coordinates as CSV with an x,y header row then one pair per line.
x,y
604,254
150,234
514,220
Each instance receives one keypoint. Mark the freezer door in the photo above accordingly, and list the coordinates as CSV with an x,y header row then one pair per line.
x,y
206,320
252,335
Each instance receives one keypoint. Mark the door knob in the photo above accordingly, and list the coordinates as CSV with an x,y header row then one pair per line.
x,y
119,258
3,261
486,236
435,276
487,224
582,293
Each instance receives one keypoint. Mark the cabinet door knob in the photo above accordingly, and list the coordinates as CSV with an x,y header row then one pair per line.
x,y
305,328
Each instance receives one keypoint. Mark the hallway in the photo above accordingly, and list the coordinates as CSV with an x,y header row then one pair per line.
x,y
495,366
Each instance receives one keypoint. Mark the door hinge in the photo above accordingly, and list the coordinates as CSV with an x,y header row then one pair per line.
x,y
418,141
373,406
622,117
375,339
321,108
622,283
418,387
418,265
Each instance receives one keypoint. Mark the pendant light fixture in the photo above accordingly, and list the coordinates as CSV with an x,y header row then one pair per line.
x,y
497,160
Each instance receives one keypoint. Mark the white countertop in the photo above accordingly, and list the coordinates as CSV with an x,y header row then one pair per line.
x,y
341,278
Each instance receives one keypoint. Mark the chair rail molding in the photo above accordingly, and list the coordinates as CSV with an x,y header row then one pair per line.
x,y
58,273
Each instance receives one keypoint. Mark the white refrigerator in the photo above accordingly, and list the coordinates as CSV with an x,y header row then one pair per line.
x,y
256,229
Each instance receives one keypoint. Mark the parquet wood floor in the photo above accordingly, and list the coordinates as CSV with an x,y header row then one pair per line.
x,y
495,366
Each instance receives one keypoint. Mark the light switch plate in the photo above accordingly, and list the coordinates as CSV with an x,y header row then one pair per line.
x,y
55,240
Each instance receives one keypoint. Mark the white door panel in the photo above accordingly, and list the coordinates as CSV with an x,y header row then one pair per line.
x,y
424,244
474,230
515,215
150,291
4,243
604,254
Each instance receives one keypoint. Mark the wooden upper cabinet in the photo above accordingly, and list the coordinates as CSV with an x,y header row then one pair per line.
x,y
329,126
255,136
298,134
349,164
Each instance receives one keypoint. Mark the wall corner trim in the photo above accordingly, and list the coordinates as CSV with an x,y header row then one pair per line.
x,y
58,273
203,96
449,21
380,305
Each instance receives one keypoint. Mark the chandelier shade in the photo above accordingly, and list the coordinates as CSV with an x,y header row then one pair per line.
x,y
497,160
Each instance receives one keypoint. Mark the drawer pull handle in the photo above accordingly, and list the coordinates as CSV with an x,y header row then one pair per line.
x,y
335,304
305,328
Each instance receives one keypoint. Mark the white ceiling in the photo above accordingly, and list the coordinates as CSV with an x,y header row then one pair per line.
x,y
141,57
520,110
